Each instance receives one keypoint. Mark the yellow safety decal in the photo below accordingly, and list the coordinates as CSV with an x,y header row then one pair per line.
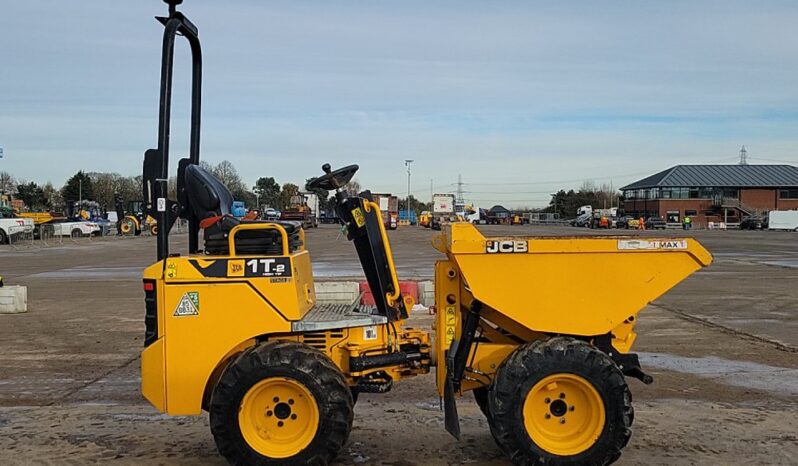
x,y
451,319
360,219
235,268
171,269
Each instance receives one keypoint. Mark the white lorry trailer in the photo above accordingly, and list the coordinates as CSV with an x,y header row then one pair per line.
x,y
442,210
783,220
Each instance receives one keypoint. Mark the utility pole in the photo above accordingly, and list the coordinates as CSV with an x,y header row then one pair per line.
x,y
460,199
430,190
407,164
2,177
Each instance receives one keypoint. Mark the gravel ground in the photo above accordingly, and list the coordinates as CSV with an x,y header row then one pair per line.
x,y
721,346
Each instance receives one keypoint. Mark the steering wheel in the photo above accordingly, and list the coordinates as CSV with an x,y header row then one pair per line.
x,y
332,180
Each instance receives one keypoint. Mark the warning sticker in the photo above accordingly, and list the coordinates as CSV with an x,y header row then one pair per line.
x,y
188,305
451,320
360,219
171,269
635,244
370,332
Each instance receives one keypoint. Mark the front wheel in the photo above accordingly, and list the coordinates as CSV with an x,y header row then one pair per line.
x,y
3,237
76,233
127,227
281,403
560,401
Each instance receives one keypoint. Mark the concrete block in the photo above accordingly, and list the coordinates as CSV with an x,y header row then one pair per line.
x,y
337,292
426,293
13,299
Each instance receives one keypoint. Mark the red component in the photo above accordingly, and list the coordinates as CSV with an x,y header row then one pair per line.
x,y
368,298
209,222
408,288
149,286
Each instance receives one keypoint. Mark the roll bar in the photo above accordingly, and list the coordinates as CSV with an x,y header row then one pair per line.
x,y
156,161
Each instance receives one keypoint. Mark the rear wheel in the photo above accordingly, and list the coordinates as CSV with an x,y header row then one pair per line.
x,y
560,401
3,237
154,229
76,233
281,403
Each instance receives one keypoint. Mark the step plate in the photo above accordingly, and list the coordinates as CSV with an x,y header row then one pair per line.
x,y
332,316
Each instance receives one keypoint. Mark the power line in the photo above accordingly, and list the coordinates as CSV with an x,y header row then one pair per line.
x,y
773,160
508,192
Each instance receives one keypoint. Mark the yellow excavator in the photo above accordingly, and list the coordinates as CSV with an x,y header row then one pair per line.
x,y
234,327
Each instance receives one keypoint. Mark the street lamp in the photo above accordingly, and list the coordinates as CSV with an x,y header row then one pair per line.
x,y
407,164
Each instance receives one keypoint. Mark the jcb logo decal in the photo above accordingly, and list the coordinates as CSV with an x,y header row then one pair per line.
x,y
235,268
493,247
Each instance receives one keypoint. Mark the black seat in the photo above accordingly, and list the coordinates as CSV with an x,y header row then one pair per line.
x,y
211,201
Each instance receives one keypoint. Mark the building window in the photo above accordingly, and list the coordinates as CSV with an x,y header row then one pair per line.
x,y
672,216
679,193
690,213
788,194
731,193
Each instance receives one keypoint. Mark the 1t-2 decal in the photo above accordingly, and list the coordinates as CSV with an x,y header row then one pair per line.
x,y
266,267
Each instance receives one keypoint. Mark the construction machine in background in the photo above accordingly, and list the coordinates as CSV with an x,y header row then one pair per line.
x,y
300,211
233,325
425,219
135,220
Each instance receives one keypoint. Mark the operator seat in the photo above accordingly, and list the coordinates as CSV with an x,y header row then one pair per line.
x,y
211,201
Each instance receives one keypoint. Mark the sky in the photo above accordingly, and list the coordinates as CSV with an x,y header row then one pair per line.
x,y
520,98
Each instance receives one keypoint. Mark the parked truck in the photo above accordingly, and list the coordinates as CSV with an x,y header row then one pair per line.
x,y
783,220
587,216
442,210
389,206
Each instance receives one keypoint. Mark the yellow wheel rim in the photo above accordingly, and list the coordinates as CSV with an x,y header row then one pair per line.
x,y
125,227
278,417
564,414
154,229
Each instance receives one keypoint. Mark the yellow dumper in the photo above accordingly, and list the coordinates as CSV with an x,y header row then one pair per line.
x,y
233,325
545,360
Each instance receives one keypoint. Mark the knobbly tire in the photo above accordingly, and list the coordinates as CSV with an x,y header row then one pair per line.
x,y
560,401
253,396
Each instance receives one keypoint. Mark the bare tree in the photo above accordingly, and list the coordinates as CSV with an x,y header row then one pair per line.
x,y
7,183
352,188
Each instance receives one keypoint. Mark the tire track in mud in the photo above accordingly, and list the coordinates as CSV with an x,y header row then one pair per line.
x,y
727,330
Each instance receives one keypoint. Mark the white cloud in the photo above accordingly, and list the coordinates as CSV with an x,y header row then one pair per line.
x,y
500,91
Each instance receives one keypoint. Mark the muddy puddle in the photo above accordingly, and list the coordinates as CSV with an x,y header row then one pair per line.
x,y
744,374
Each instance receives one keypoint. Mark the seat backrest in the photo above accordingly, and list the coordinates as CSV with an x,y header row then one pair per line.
x,y
207,196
